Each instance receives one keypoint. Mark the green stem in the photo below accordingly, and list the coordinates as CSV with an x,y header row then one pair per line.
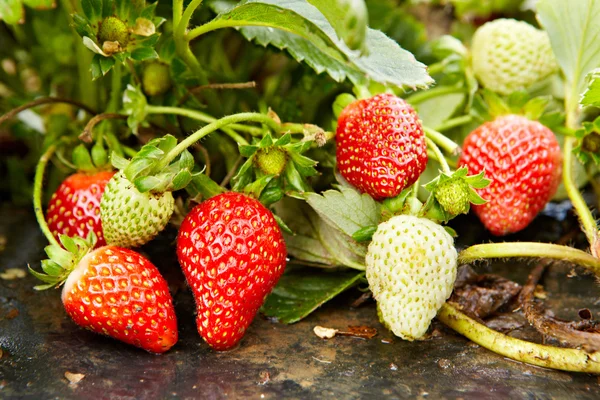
x,y
202,132
530,249
115,89
200,116
438,156
88,90
436,68
517,349
182,25
177,12
454,122
420,97
586,218
37,194
441,140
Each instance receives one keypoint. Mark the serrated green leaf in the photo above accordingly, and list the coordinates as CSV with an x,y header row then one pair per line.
x,y
315,240
317,44
574,32
144,53
301,291
134,105
347,209
591,96
349,18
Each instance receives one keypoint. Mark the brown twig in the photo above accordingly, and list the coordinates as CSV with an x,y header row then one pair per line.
x,y
86,135
44,100
231,172
571,333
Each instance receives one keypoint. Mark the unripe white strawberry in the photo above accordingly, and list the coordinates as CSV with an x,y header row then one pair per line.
x,y
131,218
510,55
411,268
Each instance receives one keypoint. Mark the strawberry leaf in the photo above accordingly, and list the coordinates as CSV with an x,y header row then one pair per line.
x,y
346,209
348,18
301,291
591,96
314,240
574,34
307,35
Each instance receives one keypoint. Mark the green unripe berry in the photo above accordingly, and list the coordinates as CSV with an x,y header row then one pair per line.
x,y
591,143
156,78
271,160
112,29
453,195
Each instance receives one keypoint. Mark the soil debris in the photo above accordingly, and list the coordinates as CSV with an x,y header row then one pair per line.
x,y
13,273
362,332
74,378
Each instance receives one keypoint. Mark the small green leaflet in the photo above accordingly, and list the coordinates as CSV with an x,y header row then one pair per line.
x,y
301,291
574,31
591,96
307,35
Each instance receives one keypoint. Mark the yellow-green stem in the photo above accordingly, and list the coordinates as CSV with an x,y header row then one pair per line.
x,y
202,132
438,156
586,218
37,194
530,249
517,349
441,140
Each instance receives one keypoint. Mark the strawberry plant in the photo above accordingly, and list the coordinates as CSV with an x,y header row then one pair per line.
x,y
300,150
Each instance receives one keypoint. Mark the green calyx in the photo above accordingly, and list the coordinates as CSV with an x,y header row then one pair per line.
x,y
453,194
588,144
144,171
156,78
61,261
274,168
112,29
93,160
271,160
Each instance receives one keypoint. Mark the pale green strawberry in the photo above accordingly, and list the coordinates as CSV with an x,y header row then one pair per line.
x,y
130,218
510,55
411,267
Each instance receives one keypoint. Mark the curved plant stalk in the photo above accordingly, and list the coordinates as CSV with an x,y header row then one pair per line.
x,y
438,155
516,349
86,134
208,129
530,249
588,223
454,122
37,194
443,141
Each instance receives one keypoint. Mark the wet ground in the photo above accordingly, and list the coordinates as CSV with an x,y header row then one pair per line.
x,y
39,344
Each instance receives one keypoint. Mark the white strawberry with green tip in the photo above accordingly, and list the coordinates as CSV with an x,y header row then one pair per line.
x,y
411,267
510,55
131,218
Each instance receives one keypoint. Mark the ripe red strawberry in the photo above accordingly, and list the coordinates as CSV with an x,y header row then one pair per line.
x,y
112,291
232,254
380,145
74,208
523,160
